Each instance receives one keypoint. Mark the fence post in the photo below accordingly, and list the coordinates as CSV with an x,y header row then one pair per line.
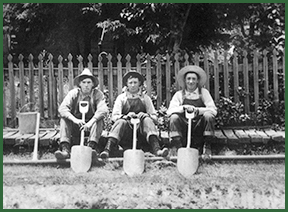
x,y
41,89
4,104
236,76
226,76
275,76
31,84
168,80
159,81
110,80
186,57
60,77
90,64
128,63
246,82
265,72
100,72
148,74
207,70
70,72
119,74
52,87
216,77
12,90
22,81
138,63
283,62
80,64
256,80
176,69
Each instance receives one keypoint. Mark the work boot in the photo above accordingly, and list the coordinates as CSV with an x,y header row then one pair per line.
x,y
63,152
95,149
156,150
207,147
110,144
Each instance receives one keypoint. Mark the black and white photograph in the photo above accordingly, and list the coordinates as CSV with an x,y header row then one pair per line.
x,y
144,105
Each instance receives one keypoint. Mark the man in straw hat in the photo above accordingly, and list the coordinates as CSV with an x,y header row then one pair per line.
x,y
71,122
192,97
133,103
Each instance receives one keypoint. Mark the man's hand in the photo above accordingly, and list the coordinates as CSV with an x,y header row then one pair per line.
x,y
79,122
129,116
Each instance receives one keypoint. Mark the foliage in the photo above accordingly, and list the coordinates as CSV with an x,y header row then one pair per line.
x,y
152,28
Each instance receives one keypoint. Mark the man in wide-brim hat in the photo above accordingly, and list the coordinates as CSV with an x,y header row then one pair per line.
x,y
192,97
130,104
71,122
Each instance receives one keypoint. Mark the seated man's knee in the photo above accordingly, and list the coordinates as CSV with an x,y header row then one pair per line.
x,y
174,118
208,116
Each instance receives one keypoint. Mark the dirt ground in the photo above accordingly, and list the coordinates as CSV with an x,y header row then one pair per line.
x,y
214,186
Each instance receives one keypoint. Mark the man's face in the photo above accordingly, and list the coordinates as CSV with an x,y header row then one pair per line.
x,y
191,81
133,85
86,85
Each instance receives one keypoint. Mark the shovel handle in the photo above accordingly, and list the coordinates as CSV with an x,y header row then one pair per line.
x,y
134,121
82,132
189,132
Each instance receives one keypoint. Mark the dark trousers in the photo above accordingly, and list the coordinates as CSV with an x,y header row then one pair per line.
x,y
202,125
70,130
122,131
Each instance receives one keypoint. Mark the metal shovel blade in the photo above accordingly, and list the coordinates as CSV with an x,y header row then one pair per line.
x,y
81,158
133,163
187,161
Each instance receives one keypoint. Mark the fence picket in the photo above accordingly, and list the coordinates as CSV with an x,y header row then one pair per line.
x,y
275,76
12,91
217,72
206,69
246,82
148,74
31,82
256,80
226,76
265,72
110,80
119,74
168,79
236,77
60,77
159,81
41,89
216,77
70,72
22,80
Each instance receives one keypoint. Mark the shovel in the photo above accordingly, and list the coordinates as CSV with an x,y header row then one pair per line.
x,y
81,156
187,158
133,163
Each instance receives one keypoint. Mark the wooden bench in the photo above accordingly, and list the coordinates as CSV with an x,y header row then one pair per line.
x,y
49,136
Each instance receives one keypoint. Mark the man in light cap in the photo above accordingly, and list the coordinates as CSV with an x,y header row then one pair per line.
x,y
71,122
192,97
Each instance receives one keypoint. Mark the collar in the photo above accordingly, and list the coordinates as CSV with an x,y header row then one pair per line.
x,y
196,91
136,95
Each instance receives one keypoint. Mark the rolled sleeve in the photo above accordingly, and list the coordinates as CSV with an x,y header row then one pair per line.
x,y
175,105
208,102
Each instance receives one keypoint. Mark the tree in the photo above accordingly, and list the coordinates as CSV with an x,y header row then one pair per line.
x,y
142,27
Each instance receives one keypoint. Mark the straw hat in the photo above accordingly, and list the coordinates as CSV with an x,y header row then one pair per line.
x,y
133,74
191,69
86,73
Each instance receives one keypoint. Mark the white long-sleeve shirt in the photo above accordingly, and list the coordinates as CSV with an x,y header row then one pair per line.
x,y
176,104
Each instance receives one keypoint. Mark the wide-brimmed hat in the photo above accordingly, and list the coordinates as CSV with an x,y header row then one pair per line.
x,y
191,69
86,73
133,74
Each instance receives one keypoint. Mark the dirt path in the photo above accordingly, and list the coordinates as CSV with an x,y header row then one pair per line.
x,y
257,185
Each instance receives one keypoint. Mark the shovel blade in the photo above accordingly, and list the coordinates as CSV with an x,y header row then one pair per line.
x,y
133,163
187,161
81,158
